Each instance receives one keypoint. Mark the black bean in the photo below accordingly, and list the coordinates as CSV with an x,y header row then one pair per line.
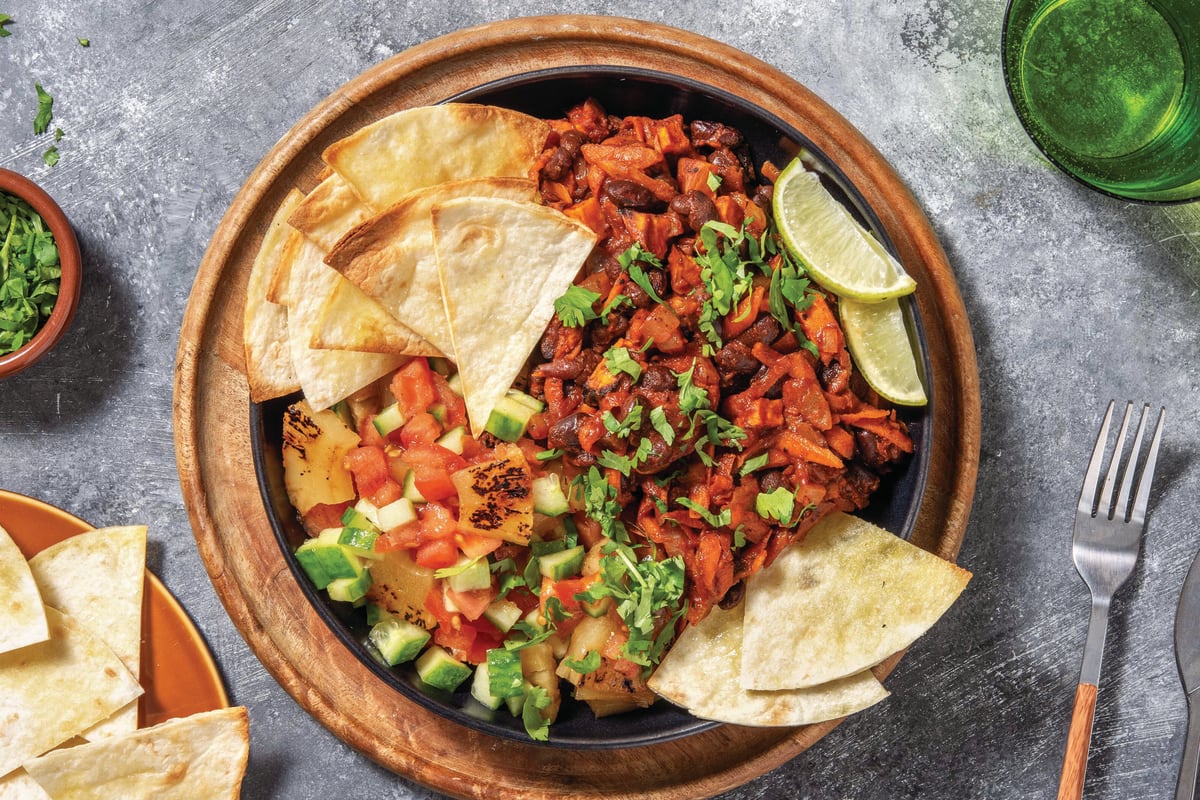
x,y
695,207
627,194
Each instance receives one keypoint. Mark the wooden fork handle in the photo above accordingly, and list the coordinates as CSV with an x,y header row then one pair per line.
x,y
1079,738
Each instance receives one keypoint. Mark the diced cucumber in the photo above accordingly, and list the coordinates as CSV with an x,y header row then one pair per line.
x,y
440,365
549,497
505,678
511,415
367,509
310,560
563,564
342,409
532,574
503,614
441,670
411,492
353,517
453,439
481,688
349,590
376,613
596,608
389,419
396,513
438,412
455,384
398,640
326,560
360,542
471,574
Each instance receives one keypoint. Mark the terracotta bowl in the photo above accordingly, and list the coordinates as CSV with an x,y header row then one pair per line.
x,y
68,290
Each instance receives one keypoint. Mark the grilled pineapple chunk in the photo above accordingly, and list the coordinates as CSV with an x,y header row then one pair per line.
x,y
314,448
495,498
399,586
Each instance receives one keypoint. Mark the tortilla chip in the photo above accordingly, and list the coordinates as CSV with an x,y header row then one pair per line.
x,y
349,319
502,266
391,256
702,673
201,756
264,324
846,597
17,785
428,145
329,210
22,621
97,579
326,376
55,689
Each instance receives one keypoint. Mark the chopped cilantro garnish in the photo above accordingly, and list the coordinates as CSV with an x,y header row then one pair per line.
x,y
457,569
614,304
739,536
631,261
506,569
778,505
617,359
50,157
84,42
658,418
586,665
622,428
715,520
537,726
29,272
724,273
713,181
600,503
752,464
5,19
625,464
58,134
45,110
548,455
691,397
574,308
638,276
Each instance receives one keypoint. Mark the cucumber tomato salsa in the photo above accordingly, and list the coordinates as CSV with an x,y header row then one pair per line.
x,y
691,410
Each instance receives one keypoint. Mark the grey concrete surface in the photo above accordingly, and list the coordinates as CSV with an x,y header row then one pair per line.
x,y
1073,297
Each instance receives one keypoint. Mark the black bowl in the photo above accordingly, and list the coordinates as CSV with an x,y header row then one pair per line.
x,y
622,91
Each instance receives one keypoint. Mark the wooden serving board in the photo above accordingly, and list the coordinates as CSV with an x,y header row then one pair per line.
x,y
213,442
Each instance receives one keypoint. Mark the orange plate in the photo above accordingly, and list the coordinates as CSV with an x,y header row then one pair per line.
x,y
178,672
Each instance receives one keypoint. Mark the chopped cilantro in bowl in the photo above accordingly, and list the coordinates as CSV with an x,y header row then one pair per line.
x,y
30,272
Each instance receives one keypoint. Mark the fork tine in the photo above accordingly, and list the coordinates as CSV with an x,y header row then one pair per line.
x,y
1091,479
1142,498
1121,508
1105,507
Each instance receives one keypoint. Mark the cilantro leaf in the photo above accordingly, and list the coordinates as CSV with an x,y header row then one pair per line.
x,y
537,726
586,665
574,308
752,464
84,42
617,359
691,397
600,503
631,261
713,181
658,418
638,276
614,304
50,157
5,19
622,428
45,110
29,272
715,520
548,455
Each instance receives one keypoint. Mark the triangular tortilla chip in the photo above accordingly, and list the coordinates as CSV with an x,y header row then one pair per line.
x,y
427,145
702,673
201,756
53,690
391,256
349,319
326,376
17,785
264,329
22,621
502,266
97,579
324,216
847,597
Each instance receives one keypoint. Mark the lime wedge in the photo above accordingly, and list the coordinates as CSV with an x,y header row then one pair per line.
x,y
878,341
838,253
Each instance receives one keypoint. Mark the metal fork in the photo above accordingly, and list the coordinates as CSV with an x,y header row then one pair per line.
x,y
1104,547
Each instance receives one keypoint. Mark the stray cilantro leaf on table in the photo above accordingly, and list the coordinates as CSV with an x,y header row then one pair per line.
x,y
29,273
5,19
45,110
84,42
50,157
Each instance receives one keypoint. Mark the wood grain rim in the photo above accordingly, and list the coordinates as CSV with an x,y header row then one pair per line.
x,y
211,414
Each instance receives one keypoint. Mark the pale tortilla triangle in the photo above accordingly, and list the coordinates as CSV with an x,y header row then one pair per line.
x,y
391,256
264,324
329,210
428,145
22,621
350,319
702,673
17,785
502,266
97,578
326,376
54,690
848,596
201,756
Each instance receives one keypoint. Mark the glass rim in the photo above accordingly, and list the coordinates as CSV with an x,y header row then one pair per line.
x,y
1062,168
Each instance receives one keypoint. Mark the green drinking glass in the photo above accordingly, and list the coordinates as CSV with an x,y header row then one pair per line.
x,y
1109,90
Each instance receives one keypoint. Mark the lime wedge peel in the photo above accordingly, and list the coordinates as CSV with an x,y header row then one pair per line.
x,y
838,253
878,340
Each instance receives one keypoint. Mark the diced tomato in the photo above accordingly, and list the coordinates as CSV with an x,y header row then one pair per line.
x,y
472,604
432,466
464,639
368,433
423,428
437,522
413,387
369,467
475,546
456,408
564,591
402,537
436,553
322,516
388,492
